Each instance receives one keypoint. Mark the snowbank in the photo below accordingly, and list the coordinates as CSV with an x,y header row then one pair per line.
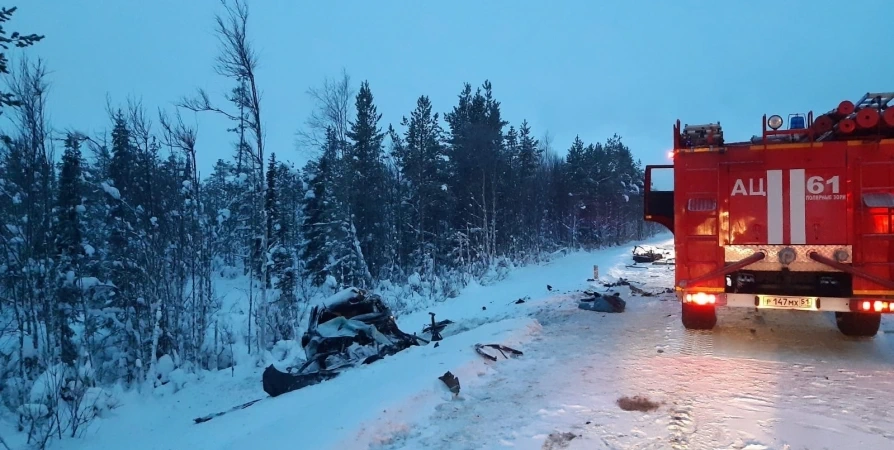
x,y
344,412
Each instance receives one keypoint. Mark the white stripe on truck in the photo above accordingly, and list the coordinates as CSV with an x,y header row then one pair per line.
x,y
774,207
797,206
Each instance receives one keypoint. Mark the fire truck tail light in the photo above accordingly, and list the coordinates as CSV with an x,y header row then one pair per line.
x,y
880,306
700,298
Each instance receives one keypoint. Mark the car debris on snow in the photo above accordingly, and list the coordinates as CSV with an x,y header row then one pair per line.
x,y
637,403
451,381
642,254
603,303
558,440
620,282
479,348
218,414
436,327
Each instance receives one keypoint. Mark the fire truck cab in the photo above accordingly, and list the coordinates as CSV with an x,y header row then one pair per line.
x,y
800,217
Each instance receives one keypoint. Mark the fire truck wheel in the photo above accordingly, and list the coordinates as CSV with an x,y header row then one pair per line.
x,y
699,317
858,324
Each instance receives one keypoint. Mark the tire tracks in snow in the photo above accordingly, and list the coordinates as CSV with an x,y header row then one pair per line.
x,y
754,382
766,381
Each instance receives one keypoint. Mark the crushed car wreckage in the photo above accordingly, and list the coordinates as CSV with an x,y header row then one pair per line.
x,y
646,255
350,328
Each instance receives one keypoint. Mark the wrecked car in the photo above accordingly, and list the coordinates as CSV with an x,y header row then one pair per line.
x,y
350,328
644,255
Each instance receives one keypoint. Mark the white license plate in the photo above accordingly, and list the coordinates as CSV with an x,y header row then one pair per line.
x,y
776,302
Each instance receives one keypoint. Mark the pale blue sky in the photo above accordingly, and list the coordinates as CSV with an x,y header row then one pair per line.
x,y
571,67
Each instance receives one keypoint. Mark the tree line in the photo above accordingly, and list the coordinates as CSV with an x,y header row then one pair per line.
x,y
111,252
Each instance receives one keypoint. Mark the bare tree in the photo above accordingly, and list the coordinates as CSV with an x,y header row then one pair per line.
x,y
238,61
332,108
26,240
18,40
182,137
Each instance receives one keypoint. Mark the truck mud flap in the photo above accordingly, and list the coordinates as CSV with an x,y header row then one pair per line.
x,y
724,270
851,270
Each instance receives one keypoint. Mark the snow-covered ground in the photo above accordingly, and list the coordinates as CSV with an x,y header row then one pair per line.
x,y
758,381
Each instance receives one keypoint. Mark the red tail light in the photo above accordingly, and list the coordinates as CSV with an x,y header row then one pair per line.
x,y
881,306
701,298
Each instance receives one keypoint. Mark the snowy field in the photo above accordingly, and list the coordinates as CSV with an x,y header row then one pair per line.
x,y
774,380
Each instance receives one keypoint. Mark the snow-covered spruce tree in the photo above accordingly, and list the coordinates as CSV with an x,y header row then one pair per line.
x,y
364,179
511,230
477,162
121,255
528,210
424,206
220,201
69,249
283,313
318,210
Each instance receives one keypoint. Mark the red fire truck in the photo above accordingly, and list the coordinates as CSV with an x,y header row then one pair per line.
x,y
798,218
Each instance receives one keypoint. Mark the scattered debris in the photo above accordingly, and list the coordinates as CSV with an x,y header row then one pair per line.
x,y
637,403
620,282
638,291
558,440
604,303
451,382
501,348
436,327
218,414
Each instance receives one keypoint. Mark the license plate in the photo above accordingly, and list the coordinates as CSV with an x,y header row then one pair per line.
x,y
775,302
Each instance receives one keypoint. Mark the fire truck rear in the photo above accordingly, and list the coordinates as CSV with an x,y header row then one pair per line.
x,y
800,217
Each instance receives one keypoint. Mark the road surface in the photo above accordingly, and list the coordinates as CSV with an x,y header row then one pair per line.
x,y
760,380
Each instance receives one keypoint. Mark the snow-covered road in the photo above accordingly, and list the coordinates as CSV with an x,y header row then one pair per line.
x,y
774,380
759,381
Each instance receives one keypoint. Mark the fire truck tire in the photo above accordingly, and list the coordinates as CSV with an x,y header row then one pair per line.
x,y
858,324
699,317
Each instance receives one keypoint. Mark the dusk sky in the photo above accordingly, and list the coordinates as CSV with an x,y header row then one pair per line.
x,y
592,68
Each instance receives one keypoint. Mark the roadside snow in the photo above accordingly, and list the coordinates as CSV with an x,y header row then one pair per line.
x,y
401,388
767,380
